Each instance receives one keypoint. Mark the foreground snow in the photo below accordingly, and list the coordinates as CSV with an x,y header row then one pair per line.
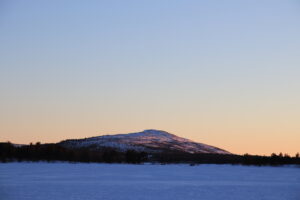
x,y
65,181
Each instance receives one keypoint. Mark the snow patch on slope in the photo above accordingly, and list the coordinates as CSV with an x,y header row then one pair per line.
x,y
148,140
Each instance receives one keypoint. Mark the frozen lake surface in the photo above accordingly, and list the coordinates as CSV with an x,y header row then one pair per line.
x,y
55,181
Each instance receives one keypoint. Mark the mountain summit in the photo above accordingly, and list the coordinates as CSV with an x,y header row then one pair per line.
x,y
148,140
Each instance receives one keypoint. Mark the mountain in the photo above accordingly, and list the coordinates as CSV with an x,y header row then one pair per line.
x,y
148,141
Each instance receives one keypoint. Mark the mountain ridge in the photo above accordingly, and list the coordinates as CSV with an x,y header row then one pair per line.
x,y
149,140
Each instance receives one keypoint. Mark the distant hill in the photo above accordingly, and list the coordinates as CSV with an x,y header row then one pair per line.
x,y
151,141
152,146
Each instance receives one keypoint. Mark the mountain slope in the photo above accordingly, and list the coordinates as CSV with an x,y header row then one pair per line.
x,y
147,140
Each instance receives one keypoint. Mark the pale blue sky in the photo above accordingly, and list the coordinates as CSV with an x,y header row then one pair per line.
x,y
224,73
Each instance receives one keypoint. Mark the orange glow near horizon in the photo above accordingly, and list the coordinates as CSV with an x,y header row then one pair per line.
x,y
236,135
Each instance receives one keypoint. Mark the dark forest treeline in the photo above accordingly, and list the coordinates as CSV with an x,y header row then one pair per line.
x,y
55,152
227,159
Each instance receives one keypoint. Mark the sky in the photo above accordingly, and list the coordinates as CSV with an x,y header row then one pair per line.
x,y
224,73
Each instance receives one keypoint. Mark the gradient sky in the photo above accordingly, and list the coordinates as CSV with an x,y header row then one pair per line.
x,y
225,73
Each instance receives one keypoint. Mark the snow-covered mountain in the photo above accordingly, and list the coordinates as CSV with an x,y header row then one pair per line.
x,y
147,140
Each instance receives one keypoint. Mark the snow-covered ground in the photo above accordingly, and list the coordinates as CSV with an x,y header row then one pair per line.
x,y
55,181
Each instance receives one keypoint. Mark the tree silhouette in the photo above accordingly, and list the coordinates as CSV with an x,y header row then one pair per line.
x,y
55,152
